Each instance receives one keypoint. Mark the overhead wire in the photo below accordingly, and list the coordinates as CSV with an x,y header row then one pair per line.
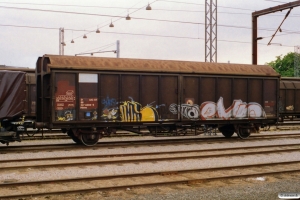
x,y
149,35
79,13
65,5
138,18
276,1
100,48
202,4
111,7
82,30
94,14
156,9
123,16
120,17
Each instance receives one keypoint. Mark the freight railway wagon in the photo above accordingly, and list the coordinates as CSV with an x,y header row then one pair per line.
x,y
88,96
17,102
289,104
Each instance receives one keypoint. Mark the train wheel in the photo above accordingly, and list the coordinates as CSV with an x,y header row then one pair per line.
x,y
228,133
243,133
64,130
89,139
227,130
74,138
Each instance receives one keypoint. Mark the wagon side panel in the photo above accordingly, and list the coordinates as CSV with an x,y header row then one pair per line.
x,y
169,97
270,97
152,108
13,94
109,97
190,109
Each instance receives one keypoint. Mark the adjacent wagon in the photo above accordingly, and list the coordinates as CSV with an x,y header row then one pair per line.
x,y
289,104
17,102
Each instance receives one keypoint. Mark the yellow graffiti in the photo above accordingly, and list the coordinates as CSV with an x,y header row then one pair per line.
x,y
61,119
132,111
68,116
149,114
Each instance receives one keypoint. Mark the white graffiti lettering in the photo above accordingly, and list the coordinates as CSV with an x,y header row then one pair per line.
x,y
190,111
187,110
173,108
211,110
208,110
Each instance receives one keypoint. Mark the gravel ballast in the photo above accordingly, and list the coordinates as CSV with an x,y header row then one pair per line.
x,y
260,188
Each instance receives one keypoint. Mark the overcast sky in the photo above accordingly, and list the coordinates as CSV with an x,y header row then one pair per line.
x,y
27,34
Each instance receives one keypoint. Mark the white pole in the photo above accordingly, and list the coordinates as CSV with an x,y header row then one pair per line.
x,y
59,41
118,49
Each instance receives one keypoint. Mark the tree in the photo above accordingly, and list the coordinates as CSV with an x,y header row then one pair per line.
x,y
284,65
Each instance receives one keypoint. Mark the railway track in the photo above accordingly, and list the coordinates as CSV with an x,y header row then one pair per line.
x,y
98,183
164,141
57,134
123,158
88,179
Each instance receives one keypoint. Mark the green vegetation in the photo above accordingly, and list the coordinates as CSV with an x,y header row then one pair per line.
x,y
284,65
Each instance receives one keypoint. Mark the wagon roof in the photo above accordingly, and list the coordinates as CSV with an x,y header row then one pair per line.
x,y
147,65
290,78
22,69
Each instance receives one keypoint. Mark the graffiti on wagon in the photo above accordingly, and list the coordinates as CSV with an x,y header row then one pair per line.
x,y
134,111
212,110
110,108
188,109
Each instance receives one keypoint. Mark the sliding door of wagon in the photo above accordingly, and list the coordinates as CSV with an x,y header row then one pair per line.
x,y
270,97
149,88
169,97
190,98
130,106
281,102
65,97
88,96
297,97
109,97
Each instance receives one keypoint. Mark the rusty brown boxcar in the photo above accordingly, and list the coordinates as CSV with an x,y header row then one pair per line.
x,y
289,104
88,96
17,101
